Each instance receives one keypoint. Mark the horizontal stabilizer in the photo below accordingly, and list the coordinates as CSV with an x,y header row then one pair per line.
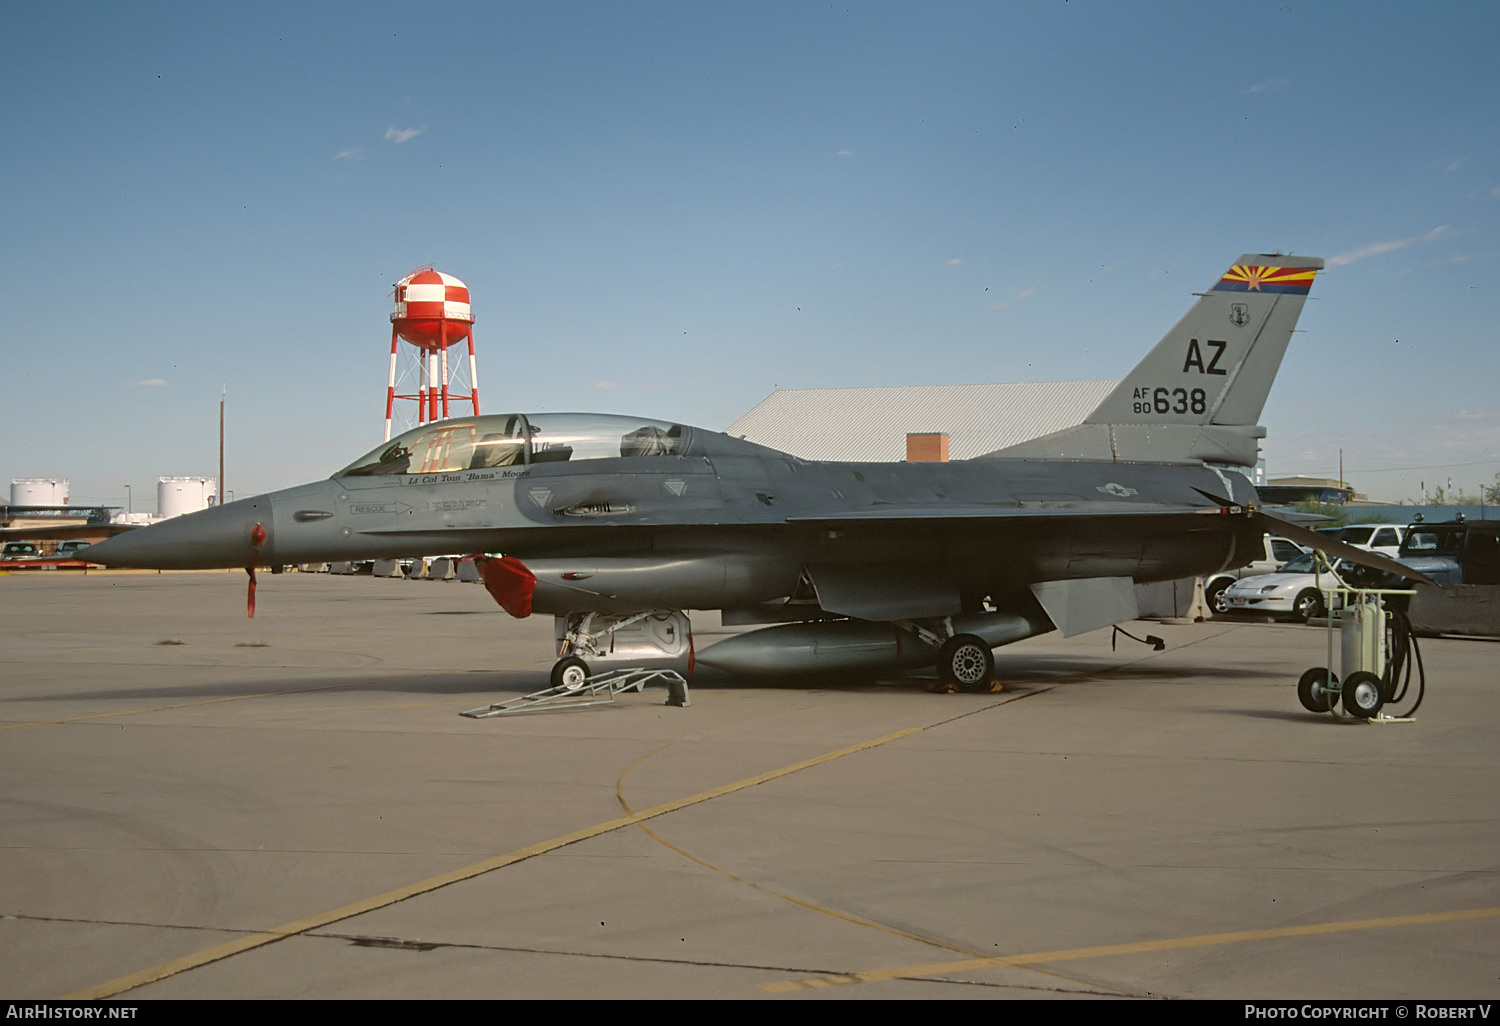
x,y
1340,550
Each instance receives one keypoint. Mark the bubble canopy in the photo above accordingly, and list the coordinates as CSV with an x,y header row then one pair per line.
x,y
517,440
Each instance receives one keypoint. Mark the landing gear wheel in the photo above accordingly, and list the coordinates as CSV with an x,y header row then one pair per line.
x,y
1364,694
967,662
1309,606
1318,690
1215,599
570,673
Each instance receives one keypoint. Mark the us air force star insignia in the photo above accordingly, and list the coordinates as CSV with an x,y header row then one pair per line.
x,y
540,496
675,487
1119,491
1239,314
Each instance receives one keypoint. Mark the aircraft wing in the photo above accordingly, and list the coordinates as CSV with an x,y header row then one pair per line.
x,y
959,511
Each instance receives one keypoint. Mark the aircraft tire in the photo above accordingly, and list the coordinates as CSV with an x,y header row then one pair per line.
x,y
569,672
966,662
1363,694
1318,690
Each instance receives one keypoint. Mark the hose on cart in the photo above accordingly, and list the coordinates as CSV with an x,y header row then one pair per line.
x,y
1404,654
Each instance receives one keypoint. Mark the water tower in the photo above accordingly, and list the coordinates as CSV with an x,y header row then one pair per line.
x,y
432,314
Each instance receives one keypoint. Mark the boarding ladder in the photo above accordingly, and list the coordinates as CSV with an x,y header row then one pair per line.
x,y
598,689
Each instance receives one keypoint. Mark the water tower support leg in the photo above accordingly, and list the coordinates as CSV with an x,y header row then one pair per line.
x,y
473,376
390,388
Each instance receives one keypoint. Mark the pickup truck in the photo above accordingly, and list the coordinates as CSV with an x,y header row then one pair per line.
x,y
1277,551
1382,538
1454,552
1463,558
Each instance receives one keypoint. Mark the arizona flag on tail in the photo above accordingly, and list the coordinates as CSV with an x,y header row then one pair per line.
x,y
1274,280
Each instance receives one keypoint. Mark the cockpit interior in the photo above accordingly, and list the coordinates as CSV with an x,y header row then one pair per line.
x,y
516,440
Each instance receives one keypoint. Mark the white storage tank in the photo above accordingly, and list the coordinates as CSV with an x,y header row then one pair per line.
x,y
38,491
178,495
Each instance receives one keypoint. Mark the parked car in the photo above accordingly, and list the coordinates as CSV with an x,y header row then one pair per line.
x,y
20,550
1382,538
1277,552
1295,590
71,547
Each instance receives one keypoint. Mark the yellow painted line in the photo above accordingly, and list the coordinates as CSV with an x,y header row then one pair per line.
x,y
432,883
856,920
799,902
1135,948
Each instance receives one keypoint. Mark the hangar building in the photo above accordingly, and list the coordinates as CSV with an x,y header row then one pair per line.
x,y
873,423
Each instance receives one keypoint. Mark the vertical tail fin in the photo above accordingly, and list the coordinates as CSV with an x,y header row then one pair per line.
x,y
1197,396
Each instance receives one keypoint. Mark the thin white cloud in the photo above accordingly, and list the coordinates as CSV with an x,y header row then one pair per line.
x,y
1378,248
1019,297
1269,85
606,385
844,153
952,262
349,153
400,135
149,383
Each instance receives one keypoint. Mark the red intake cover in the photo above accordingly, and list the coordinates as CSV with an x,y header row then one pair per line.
x,y
508,580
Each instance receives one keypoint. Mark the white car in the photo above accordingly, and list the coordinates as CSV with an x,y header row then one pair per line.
x,y
1277,552
1295,590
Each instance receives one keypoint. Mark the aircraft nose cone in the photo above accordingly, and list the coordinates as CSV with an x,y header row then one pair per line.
x,y
225,536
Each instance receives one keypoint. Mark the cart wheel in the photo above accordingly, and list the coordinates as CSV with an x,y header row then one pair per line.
x,y
569,673
1364,694
1318,690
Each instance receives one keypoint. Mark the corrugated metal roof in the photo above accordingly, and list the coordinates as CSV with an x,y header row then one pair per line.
x,y
872,423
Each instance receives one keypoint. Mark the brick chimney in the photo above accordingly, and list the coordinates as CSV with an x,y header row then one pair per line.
x,y
926,448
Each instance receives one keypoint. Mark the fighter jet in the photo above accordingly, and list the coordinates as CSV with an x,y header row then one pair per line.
x,y
616,525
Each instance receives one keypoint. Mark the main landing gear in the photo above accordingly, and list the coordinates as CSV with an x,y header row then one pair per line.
x,y
965,659
966,662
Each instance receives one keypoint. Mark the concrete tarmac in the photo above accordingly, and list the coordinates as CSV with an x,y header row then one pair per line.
x,y
198,805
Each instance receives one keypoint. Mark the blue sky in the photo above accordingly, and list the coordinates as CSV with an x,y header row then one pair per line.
x,y
671,209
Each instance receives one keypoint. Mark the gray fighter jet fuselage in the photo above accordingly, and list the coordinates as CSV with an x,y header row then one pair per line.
x,y
603,520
